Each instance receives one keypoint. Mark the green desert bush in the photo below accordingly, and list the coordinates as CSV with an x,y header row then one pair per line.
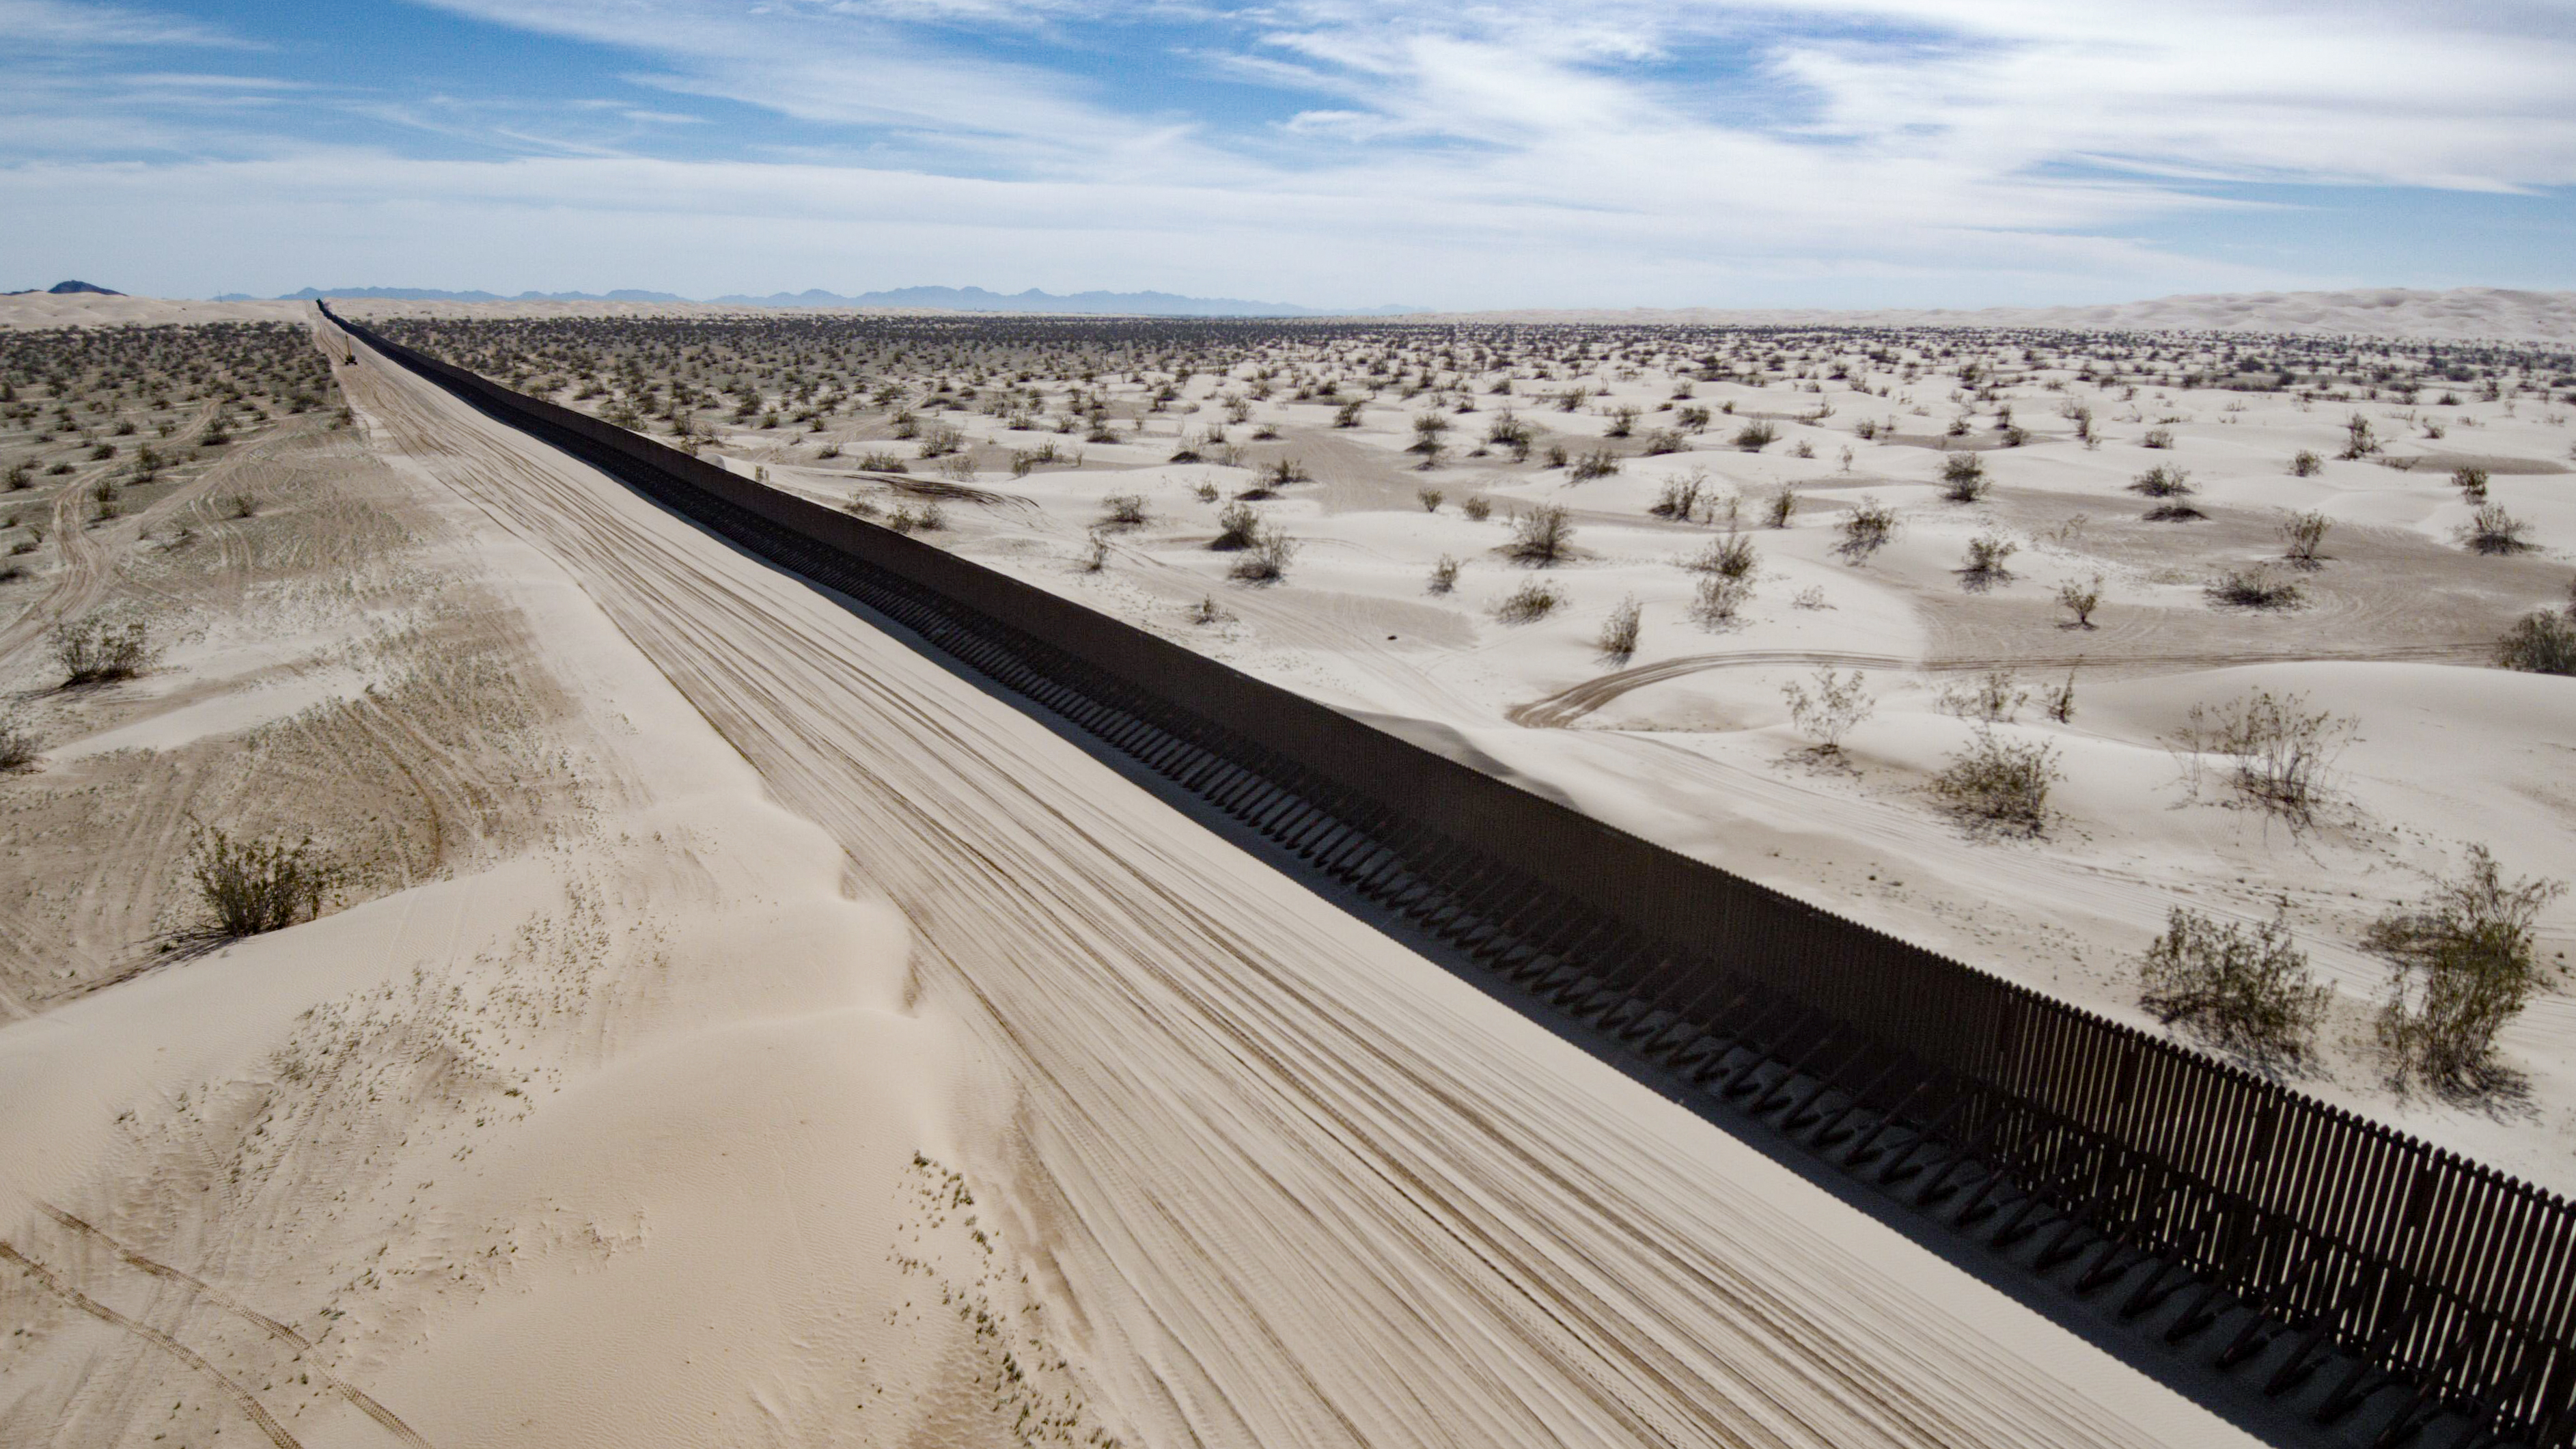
x,y
1832,709
2280,754
1237,525
2540,642
1542,536
1866,530
2464,964
1619,631
1999,783
1963,478
249,887
2246,990
1266,562
1531,602
97,651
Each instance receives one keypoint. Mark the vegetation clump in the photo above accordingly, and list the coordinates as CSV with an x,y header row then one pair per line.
x,y
2249,991
1266,561
1866,530
1531,602
1963,478
2464,968
2540,642
2255,587
1541,537
250,887
2000,783
96,651
1619,631
1834,708
2280,753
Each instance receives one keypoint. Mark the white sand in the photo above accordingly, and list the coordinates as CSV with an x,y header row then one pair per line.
x,y
1265,1177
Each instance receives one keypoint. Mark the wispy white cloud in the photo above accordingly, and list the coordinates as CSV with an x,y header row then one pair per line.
x,y
1364,150
57,23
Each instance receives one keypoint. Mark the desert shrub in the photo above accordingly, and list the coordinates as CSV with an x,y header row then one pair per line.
x,y
1995,696
1429,498
1557,457
18,746
2464,968
1095,551
1660,441
2306,464
1510,432
1679,497
1542,536
1477,509
880,461
1963,478
2302,535
2280,753
1999,783
2540,642
1783,504
1124,510
1619,631
1733,557
1720,598
1866,530
1237,524
1835,708
2255,587
1444,575
2174,513
1531,602
253,886
2246,990
941,441
1595,463
2163,482
1348,414
2157,438
1208,613
1266,562
1983,566
2081,599
2491,530
1754,436
2360,439
2060,703
94,651
2472,481
928,518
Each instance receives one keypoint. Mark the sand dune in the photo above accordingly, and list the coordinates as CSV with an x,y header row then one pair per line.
x,y
1272,1178
2461,312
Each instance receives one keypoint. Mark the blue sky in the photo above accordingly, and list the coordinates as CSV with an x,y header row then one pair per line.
x,y
1471,153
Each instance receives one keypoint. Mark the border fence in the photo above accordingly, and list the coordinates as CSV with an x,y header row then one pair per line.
x,y
2431,1287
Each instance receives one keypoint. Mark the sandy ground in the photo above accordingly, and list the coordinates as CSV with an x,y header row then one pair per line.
x,y
2457,312
1690,743
852,1060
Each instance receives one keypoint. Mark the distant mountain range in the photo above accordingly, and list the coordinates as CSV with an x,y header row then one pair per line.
x,y
63,289
948,299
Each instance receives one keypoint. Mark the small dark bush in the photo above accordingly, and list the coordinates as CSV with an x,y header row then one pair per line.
x,y
1267,560
2248,990
2540,642
1754,436
93,651
253,886
1963,478
2255,588
2494,531
1542,536
1866,530
1999,783
2163,482
1619,631
2464,968
1531,602
1237,527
